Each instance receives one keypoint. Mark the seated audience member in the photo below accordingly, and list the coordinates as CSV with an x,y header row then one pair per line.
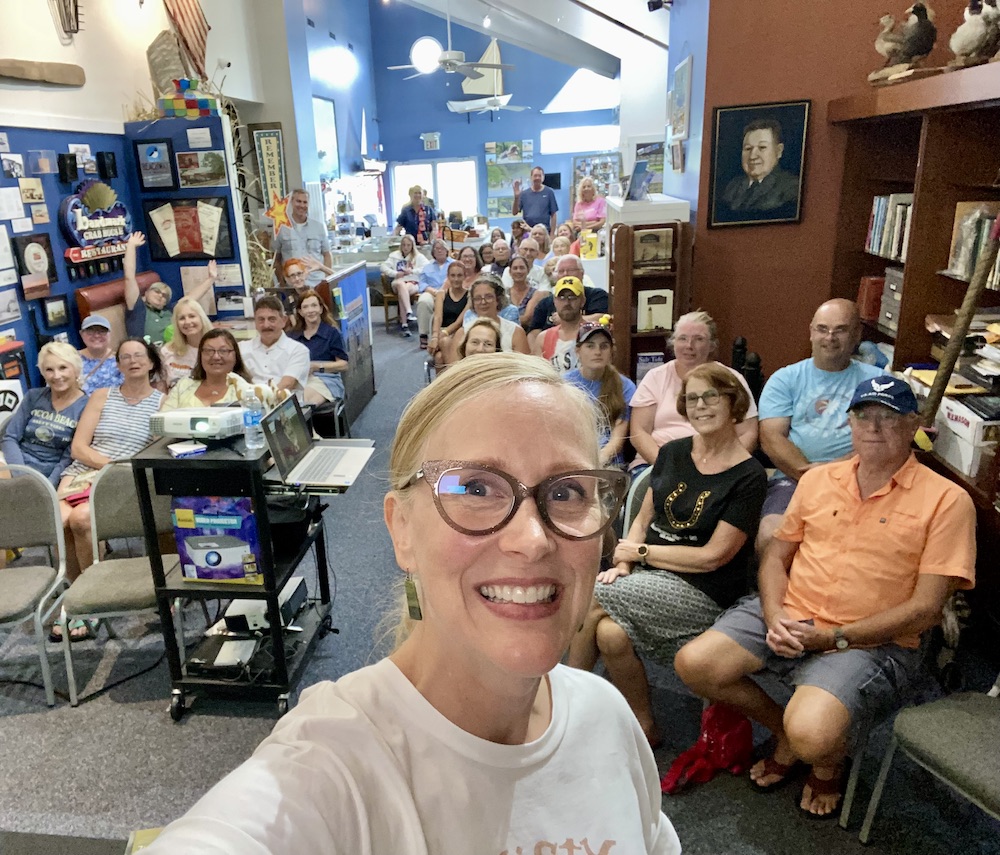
x,y
449,312
486,255
501,258
560,247
148,315
39,432
558,344
655,417
296,277
803,407
568,230
433,277
100,368
523,294
179,355
315,328
402,269
482,336
594,308
685,558
591,209
536,276
469,259
518,231
473,694
540,234
868,552
114,425
271,357
488,299
219,376
495,235
610,390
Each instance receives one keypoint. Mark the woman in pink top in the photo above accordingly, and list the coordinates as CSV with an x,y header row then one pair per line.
x,y
590,210
655,420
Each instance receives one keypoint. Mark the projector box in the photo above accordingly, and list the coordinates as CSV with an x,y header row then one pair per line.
x,y
217,539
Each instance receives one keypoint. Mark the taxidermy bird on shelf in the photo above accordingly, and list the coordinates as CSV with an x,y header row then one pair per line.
x,y
969,41
904,50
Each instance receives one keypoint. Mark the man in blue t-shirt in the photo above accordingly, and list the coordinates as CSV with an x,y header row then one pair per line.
x,y
803,407
538,203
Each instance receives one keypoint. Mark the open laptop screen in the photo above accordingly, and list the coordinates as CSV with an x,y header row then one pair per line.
x,y
287,435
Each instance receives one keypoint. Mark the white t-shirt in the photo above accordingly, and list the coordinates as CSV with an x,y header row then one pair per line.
x,y
366,766
284,358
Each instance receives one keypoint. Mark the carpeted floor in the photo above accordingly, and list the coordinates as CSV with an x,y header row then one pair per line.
x,y
118,762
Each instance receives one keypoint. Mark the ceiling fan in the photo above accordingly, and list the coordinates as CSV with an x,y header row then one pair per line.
x,y
451,61
484,105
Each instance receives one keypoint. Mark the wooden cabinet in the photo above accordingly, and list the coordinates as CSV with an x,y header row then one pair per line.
x,y
627,280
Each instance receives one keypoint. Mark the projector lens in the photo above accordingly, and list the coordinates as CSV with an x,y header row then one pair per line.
x,y
213,559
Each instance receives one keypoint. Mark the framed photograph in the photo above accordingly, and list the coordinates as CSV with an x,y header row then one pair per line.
x,y
188,229
56,311
677,156
202,169
680,101
155,161
10,309
33,253
758,163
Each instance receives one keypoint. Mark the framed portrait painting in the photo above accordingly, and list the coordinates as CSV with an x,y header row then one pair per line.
x,y
758,164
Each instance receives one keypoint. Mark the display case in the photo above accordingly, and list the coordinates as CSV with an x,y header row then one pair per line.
x,y
605,169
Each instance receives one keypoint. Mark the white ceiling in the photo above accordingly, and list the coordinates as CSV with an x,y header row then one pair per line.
x,y
592,34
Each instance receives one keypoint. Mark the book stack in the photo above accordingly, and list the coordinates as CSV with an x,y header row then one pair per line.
x,y
889,226
970,233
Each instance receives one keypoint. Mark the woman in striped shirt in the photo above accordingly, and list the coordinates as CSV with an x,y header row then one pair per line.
x,y
114,425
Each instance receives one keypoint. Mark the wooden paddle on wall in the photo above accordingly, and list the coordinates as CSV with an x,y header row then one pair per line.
x,y
57,73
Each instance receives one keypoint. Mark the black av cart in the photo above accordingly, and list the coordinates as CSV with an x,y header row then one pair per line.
x,y
281,653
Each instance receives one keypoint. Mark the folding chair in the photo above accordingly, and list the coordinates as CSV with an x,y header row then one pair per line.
x,y
29,516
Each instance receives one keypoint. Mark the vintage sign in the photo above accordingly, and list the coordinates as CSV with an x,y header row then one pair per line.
x,y
270,160
94,221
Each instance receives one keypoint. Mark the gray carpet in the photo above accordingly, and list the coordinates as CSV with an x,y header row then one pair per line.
x,y
117,762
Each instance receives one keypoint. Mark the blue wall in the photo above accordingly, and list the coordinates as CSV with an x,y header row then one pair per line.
x,y
689,37
348,20
406,108
21,141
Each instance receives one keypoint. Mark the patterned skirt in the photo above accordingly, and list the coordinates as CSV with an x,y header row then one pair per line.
x,y
658,610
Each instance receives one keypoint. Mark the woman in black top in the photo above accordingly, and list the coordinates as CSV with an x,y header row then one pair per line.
x,y
449,308
685,558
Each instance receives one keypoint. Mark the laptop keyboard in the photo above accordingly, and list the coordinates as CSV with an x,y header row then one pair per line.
x,y
323,464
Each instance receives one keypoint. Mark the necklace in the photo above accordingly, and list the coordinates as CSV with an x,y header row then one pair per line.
x,y
135,399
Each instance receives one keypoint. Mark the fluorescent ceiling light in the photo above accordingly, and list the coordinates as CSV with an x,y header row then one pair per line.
x,y
586,90
424,54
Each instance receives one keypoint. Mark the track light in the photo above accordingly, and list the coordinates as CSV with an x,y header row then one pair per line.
x,y
654,5
487,21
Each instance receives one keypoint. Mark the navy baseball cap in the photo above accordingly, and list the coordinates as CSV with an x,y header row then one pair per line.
x,y
888,391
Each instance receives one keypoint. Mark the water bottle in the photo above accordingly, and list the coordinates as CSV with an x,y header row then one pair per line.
x,y
253,412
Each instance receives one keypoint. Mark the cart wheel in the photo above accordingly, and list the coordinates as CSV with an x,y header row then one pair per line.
x,y
282,704
177,706
325,626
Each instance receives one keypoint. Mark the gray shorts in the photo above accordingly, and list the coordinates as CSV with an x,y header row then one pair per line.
x,y
779,494
868,681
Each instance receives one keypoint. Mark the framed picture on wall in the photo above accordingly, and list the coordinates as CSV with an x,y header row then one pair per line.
x,y
680,101
155,161
202,169
56,311
758,163
187,229
34,256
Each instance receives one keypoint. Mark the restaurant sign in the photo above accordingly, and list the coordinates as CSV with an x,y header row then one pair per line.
x,y
94,221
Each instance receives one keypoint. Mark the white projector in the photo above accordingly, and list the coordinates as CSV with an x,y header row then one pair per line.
x,y
198,422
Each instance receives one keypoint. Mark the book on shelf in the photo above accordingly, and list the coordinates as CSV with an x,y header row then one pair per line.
x,y
653,250
888,226
646,362
969,237
655,310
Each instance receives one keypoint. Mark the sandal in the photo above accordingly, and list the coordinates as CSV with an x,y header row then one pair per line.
x,y
773,767
55,635
824,787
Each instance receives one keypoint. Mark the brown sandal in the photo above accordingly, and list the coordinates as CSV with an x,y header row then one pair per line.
x,y
825,787
773,767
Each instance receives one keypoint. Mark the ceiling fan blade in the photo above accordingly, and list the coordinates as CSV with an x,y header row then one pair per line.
x,y
491,65
512,107
411,76
399,67
468,71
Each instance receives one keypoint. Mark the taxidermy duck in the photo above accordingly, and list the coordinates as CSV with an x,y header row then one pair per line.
x,y
919,33
969,40
888,43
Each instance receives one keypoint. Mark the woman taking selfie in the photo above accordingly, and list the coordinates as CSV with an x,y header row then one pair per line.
x,y
470,737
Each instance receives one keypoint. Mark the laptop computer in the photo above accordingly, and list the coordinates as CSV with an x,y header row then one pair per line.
x,y
329,465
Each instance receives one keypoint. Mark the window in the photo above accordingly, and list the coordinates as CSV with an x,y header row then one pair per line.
x,y
583,138
452,184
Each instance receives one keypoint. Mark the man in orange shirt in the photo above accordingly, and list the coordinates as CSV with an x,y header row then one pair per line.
x,y
868,553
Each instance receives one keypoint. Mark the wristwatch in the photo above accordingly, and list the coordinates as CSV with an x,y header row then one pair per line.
x,y
642,550
839,639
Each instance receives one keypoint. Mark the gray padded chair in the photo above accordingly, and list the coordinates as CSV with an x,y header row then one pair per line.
x,y
636,493
116,586
957,740
29,517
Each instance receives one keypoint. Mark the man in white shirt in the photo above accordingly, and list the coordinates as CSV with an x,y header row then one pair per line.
x,y
536,275
305,239
272,358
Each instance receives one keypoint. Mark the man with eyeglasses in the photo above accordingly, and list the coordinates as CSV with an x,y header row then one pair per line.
x,y
595,300
803,407
558,344
869,551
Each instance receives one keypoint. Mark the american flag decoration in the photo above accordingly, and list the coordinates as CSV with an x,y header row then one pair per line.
x,y
192,29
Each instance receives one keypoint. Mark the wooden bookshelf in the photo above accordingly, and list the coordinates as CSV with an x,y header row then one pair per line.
x,y
625,284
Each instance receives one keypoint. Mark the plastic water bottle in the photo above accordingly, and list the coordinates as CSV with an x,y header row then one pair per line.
x,y
253,412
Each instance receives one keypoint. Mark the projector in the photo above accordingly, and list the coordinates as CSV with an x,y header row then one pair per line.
x,y
249,615
198,422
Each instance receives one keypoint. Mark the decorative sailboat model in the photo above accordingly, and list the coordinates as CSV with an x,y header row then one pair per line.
x,y
489,85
